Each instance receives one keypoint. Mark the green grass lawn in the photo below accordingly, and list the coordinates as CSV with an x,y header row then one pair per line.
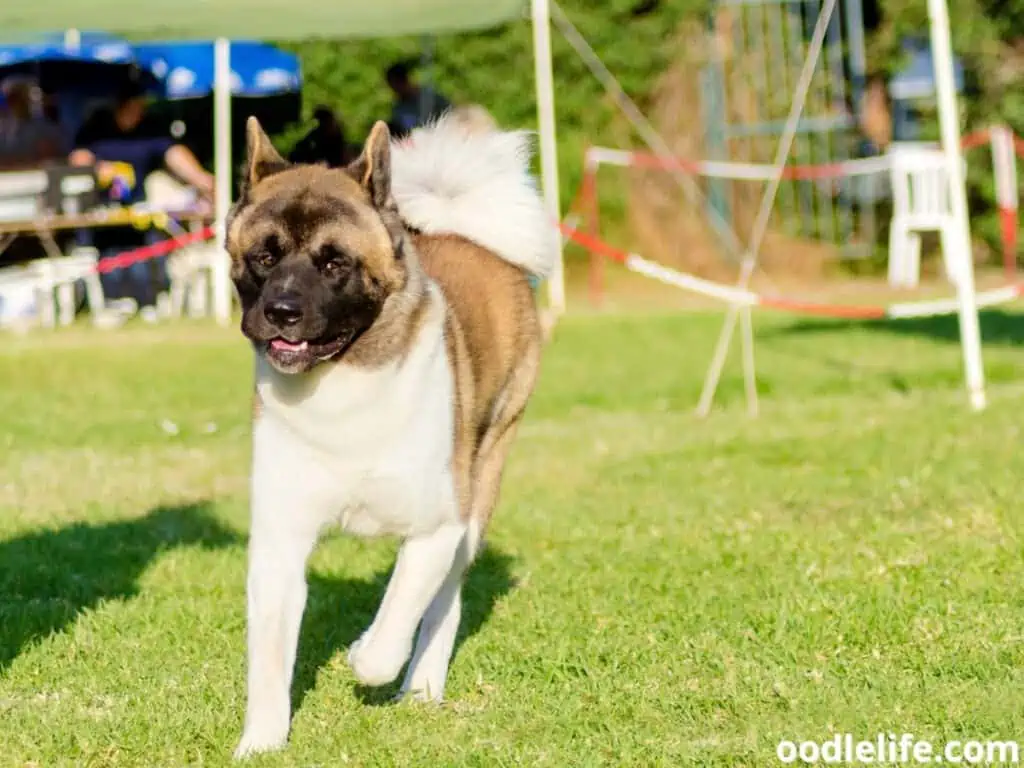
x,y
658,590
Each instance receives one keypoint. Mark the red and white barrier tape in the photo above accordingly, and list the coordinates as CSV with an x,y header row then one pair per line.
x,y
736,171
731,294
1004,169
147,252
1004,146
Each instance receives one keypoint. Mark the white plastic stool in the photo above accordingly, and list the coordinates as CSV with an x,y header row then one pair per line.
x,y
920,193
190,271
59,274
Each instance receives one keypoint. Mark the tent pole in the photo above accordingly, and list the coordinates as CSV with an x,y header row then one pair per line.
x,y
548,146
960,242
222,170
427,70
72,40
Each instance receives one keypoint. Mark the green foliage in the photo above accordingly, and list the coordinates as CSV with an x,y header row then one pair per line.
x,y
496,69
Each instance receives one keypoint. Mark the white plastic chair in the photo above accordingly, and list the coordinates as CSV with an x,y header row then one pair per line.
x,y
190,272
58,275
920,194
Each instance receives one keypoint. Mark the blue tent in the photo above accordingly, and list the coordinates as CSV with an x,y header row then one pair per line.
x,y
916,80
85,47
88,62
185,69
265,81
81,67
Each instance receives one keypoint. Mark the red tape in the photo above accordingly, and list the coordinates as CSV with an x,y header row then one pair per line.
x,y
845,311
781,303
147,252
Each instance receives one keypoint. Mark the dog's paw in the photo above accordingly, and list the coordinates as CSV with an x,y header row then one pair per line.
x,y
375,662
421,695
256,741
424,689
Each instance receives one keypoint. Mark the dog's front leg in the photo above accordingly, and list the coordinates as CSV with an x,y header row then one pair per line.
x,y
422,565
276,590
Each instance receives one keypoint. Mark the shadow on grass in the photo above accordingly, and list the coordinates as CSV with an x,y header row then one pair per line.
x,y
339,609
997,327
50,577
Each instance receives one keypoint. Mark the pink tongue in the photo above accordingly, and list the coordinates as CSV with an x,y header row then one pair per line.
x,y
289,346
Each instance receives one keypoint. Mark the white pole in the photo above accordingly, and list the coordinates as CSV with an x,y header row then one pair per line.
x,y
222,170
949,124
548,146
72,41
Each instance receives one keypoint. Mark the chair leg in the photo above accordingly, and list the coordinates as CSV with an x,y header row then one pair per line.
x,y
955,263
94,295
66,302
178,289
198,299
45,301
913,263
899,254
47,310
895,254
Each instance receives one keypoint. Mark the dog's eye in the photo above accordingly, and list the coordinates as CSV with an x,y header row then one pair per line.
x,y
266,254
333,267
266,259
333,261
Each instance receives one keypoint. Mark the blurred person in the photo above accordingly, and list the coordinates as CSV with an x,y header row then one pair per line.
x,y
50,107
874,118
325,143
122,135
27,138
414,105
124,150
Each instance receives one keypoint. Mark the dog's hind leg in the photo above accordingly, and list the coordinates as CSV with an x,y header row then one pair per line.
x,y
428,672
423,564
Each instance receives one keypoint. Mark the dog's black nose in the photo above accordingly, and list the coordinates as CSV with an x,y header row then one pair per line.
x,y
283,311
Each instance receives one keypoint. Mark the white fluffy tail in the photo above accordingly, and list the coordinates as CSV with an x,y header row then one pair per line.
x,y
447,179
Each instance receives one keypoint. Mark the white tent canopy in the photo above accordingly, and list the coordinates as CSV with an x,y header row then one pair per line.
x,y
268,19
298,20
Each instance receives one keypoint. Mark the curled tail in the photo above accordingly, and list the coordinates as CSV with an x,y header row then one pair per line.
x,y
446,179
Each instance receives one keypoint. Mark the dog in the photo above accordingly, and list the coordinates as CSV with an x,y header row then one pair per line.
x,y
397,343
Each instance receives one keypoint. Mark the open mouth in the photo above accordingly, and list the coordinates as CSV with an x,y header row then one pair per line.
x,y
295,355
288,347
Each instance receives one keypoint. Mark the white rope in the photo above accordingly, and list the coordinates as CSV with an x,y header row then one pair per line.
x,y
734,171
688,282
761,222
749,371
934,307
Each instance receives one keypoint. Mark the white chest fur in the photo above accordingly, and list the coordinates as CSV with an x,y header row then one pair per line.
x,y
370,449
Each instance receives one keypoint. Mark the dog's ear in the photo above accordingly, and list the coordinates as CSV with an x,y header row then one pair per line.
x,y
373,167
263,159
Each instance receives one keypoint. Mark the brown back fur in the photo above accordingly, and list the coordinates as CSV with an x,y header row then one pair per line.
x,y
494,338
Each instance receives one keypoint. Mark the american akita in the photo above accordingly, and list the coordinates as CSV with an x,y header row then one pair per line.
x,y
397,343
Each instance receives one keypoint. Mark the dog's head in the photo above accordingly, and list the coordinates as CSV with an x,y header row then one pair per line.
x,y
315,251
